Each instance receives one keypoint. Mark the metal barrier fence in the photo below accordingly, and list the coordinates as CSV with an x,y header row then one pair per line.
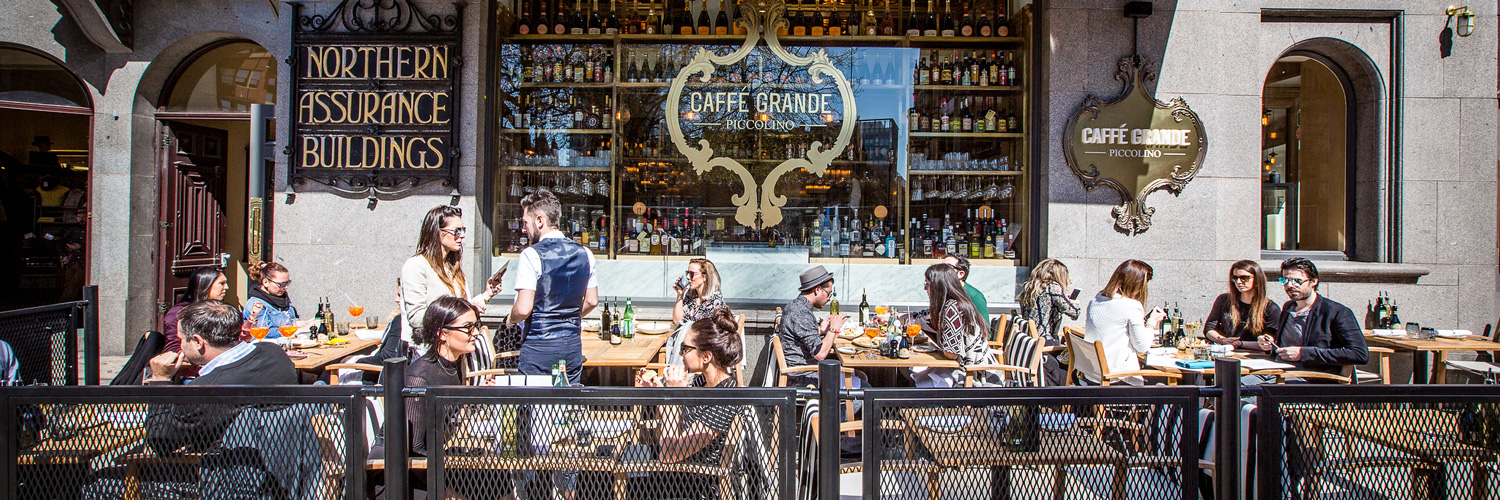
x,y
288,442
46,340
1418,442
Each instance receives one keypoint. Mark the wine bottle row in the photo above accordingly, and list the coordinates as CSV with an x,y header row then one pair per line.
x,y
964,114
972,235
803,18
546,114
975,69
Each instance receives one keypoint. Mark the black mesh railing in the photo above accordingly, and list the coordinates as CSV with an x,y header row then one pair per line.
x,y
47,339
1397,442
615,443
1094,442
292,442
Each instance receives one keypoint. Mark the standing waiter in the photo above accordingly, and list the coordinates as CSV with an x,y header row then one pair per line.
x,y
555,288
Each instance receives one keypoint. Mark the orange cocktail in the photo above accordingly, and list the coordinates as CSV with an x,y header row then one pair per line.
x,y
881,310
259,332
287,330
356,311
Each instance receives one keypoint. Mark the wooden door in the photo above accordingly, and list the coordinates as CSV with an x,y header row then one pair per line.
x,y
191,224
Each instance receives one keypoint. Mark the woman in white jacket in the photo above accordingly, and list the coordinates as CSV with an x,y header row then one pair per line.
x,y
1117,317
436,270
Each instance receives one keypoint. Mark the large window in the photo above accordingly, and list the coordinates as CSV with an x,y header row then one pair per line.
x,y
1305,157
224,79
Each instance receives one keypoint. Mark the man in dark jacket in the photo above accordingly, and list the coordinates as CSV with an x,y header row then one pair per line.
x,y
210,333
1317,334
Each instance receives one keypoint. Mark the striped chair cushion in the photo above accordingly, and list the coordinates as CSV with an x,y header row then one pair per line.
x,y
1021,351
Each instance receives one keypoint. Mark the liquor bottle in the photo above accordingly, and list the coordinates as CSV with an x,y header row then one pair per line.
x,y
986,28
685,19
721,21
966,28
615,331
973,68
930,26
864,307
628,331
1011,125
913,23
523,25
935,69
596,20
543,24
833,304
704,28
948,28
559,20
318,317
604,321
330,319
1010,69
817,238
890,245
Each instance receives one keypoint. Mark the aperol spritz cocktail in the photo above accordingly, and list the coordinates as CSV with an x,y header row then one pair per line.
x,y
287,330
259,332
356,311
912,330
882,310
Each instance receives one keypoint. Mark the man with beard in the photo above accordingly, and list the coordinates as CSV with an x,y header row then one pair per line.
x,y
1317,334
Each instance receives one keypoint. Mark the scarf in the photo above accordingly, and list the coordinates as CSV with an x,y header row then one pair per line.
x,y
283,302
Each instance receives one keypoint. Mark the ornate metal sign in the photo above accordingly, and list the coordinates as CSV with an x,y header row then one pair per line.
x,y
1135,145
760,105
374,87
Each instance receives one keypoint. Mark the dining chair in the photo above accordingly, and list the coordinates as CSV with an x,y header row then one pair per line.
x,y
1019,361
1087,364
1348,374
910,461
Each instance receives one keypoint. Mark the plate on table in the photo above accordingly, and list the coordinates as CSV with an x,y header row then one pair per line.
x,y
851,331
924,348
303,343
591,325
846,350
865,342
653,327
1454,334
297,354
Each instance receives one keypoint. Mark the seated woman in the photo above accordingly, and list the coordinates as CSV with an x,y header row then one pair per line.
x,y
447,331
1117,318
697,298
270,306
1240,317
696,434
960,331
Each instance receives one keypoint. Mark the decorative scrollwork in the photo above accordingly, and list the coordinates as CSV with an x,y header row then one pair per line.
x,y
377,16
759,206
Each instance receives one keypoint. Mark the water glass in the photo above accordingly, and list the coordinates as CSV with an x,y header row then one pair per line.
x,y
343,329
371,322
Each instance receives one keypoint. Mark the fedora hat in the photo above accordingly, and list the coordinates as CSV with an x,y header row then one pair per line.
x,y
41,139
814,277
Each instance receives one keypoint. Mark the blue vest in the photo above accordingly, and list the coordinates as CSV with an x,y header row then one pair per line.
x,y
560,285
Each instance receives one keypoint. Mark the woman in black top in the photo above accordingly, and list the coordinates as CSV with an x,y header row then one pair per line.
x,y
447,331
1241,316
696,434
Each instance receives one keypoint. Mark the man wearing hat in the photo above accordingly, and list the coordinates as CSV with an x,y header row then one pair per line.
x,y
804,339
43,154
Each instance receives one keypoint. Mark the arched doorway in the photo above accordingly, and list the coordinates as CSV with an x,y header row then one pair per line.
x,y
44,179
204,121
1305,157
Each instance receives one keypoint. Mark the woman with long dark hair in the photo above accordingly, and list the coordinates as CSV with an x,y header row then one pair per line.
x,y
207,282
448,332
960,331
1242,315
437,268
1117,317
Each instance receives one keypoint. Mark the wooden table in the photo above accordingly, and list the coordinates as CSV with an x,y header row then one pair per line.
x,y
1429,436
1168,363
321,356
1439,346
871,358
631,353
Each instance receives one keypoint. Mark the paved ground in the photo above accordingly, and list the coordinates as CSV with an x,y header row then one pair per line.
x,y
109,366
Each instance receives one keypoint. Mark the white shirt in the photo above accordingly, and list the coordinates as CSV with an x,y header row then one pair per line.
x,y
1119,323
529,265
235,353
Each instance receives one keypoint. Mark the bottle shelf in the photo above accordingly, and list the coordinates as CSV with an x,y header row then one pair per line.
x,y
967,172
599,39
993,135
807,40
566,85
968,88
581,131
928,41
553,168
744,161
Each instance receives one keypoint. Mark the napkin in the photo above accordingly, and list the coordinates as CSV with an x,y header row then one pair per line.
x,y
1195,365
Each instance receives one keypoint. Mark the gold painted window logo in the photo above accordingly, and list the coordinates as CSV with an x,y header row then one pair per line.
x,y
768,102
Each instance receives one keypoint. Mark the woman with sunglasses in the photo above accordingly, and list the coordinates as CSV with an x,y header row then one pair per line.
x,y
695,434
270,306
437,269
448,333
1242,315
698,294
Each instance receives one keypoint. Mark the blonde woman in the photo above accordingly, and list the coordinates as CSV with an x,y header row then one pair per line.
x,y
698,295
437,270
1045,300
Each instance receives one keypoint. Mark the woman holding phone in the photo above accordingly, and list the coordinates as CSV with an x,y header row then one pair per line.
x,y
437,269
1118,318
1045,299
1240,317
697,292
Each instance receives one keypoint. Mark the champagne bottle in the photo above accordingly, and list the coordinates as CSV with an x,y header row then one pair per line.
x,y
967,27
523,25
685,19
559,20
543,24
930,26
704,28
799,27
596,20
948,28
913,23
612,25
721,21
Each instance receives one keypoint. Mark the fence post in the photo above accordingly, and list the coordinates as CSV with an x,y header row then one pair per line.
x,y
396,445
8,452
1227,429
829,384
91,335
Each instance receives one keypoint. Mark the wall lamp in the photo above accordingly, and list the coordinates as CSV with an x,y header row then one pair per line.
x,y
1465,19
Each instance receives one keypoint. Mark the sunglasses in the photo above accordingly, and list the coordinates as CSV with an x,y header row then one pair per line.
x,y
467,329
1241,279
685,348
456,232
1292,281
281,284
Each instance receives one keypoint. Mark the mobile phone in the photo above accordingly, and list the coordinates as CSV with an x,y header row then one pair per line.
x,y
1074,295
494,280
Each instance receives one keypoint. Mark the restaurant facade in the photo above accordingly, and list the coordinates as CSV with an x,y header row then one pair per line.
x,y
869,137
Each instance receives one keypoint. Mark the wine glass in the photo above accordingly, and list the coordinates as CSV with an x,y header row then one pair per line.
x,y
355,311
259,332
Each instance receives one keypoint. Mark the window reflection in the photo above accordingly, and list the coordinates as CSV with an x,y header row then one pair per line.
x,y
30,78
226,79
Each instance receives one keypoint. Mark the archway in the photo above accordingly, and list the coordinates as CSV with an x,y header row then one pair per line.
x,y
203,115
44,179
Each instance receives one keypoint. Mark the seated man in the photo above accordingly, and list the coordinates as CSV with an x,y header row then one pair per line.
x,y
8,365
210,333
1317,334
804,339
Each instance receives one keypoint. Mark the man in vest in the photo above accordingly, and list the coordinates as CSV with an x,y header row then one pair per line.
x,y
555,288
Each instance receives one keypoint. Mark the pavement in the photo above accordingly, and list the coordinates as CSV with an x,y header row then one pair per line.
x,y
109,366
